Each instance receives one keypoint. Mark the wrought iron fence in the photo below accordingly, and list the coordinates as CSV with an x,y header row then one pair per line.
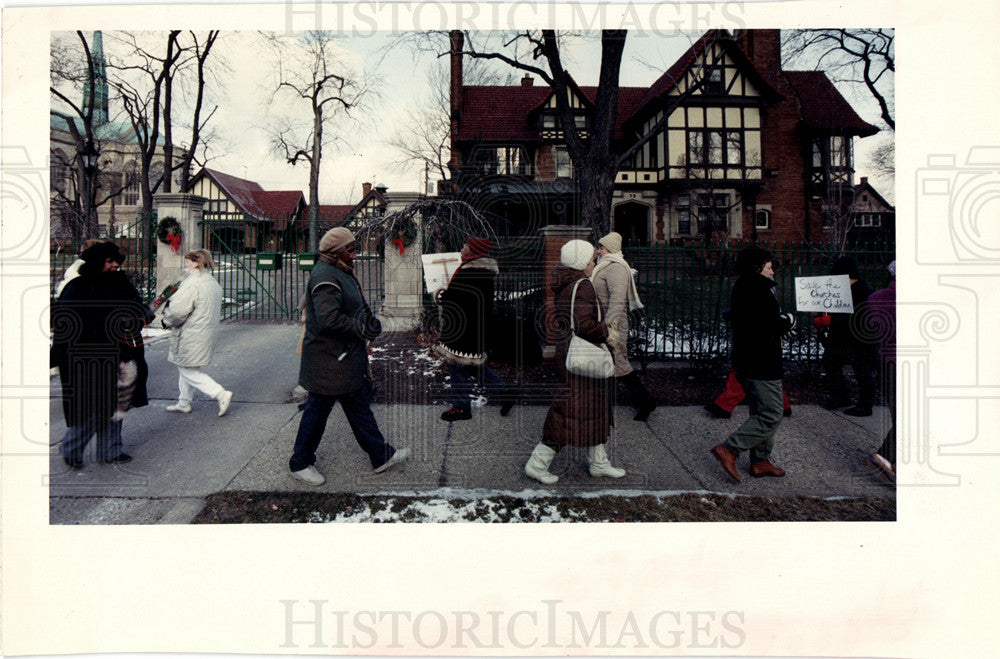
x,y
686,289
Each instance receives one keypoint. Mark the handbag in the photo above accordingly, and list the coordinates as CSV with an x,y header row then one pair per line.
x,y
584,358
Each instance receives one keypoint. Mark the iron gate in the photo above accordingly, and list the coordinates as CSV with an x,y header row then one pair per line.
x,y
268,285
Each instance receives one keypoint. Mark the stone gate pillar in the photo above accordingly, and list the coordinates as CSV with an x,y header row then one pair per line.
x,y
187,210
403,274
554,236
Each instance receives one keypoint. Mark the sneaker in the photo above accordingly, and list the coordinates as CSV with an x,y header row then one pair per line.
x,y
121,458
225,398
883,467
456,414
397,457
183,408
309,475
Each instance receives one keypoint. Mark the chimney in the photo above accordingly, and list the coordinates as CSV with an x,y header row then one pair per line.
x,y
763,47
365,189
864,180
527,81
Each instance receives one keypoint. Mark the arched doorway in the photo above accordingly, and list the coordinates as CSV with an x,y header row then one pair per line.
x,y
631,220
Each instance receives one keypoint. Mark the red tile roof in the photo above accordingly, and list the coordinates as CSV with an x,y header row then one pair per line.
x,y
239,190
499,113
278,203
822,106
330,214
495,113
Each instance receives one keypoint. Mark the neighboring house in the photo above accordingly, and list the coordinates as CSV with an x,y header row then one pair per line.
x,y
242,216
872,218
752,152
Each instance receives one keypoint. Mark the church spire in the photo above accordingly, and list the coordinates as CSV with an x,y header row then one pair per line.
x,y
100,82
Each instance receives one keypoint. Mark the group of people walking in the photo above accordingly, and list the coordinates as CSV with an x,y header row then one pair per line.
x,y
97,321
98,318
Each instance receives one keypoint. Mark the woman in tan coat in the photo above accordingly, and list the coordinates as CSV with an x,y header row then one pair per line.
x,y
615,288
580,414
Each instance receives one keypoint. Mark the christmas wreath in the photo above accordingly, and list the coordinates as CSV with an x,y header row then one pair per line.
x,y
404,233
169,232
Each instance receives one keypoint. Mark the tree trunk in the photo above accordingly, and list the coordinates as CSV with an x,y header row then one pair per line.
x,y
314,163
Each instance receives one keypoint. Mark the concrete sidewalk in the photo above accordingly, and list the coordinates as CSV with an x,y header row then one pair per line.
x,y
182,458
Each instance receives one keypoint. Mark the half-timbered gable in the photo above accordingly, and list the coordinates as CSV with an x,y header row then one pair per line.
x,y
724,143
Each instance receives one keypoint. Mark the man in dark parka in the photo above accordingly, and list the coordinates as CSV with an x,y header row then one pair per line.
x,y
334,366
757,325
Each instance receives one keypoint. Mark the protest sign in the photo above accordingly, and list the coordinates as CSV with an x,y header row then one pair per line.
x,y
826,294
438,269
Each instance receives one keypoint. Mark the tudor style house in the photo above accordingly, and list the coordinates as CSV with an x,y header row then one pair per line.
x,y
245,217
737,148
871,219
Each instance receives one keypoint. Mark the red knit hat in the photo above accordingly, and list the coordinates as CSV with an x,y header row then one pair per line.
x,y
479,247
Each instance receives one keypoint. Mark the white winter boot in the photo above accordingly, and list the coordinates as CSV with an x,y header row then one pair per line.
x,y
538,464
600,465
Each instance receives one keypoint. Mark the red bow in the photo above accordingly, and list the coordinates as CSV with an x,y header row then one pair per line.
x,y
175,242
400,243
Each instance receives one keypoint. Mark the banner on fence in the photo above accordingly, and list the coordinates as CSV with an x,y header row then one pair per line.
x,y
826,294
438,269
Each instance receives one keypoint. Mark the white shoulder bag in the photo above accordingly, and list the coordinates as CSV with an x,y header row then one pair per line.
x,y
583,357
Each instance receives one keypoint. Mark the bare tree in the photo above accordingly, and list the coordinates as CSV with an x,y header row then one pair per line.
x,y
857,56
422,141
73,75
312,72
590,147
143,82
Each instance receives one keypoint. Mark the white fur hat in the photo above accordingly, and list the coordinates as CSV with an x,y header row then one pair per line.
x,y
576,254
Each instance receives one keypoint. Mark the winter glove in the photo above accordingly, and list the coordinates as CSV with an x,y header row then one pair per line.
x,y
614,336
373,327
790,319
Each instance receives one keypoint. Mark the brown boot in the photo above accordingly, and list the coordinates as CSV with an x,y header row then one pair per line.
x,y
765,468
728,460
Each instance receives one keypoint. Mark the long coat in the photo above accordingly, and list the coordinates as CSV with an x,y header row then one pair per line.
x,y
92,322
467,306
338,327
580,414
193,313
612,283
757,326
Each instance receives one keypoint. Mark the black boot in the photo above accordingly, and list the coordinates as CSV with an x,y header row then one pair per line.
x,y
641,398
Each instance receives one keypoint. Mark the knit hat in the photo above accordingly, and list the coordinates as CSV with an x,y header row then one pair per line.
x,y
335,239
845,265
576,254
751,260
101,252
612,242
479,247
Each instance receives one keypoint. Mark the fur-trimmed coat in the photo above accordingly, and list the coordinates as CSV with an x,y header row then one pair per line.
x,y
467,309
580,414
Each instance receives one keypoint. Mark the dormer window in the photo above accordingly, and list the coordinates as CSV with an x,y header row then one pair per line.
x,y
714,80
550,123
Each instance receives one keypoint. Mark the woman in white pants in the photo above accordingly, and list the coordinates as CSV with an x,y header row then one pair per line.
x,y
192,313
